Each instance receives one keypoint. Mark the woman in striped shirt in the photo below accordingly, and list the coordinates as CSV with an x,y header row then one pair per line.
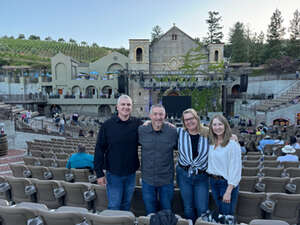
x,y
192,178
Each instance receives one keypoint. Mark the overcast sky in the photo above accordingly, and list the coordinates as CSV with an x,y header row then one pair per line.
x,y
111,23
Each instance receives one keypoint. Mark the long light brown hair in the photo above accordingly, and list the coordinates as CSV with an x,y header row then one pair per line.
x,y
200,128
227,131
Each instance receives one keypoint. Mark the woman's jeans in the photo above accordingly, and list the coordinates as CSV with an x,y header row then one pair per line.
x,y
218,188
194,192
119,191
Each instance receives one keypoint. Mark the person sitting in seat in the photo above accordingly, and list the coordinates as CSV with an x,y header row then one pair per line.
x,y
266,141
288,156
81,160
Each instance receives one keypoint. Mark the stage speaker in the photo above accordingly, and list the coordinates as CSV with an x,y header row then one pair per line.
x,y
175,105
244,82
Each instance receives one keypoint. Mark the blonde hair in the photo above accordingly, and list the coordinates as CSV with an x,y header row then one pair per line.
x,y
200,128
227,131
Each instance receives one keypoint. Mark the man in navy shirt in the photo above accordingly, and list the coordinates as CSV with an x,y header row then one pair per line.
x,y
117,152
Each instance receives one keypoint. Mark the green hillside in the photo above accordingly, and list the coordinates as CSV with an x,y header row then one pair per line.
x,y
37,53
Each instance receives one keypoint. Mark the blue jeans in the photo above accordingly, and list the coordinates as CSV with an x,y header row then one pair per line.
x,y
153,195
119,191
194,193
218,189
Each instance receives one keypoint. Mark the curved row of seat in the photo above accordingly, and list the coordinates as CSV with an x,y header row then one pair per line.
x,y
48,173
38,161
271,171
269,163
270,184
93,197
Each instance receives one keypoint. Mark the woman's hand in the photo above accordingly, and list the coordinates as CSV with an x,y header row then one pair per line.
x,y
147,122
227,197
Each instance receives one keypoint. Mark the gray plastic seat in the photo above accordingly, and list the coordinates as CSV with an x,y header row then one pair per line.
x,y
58,173
74,194
18,185
250,171
113,217
293,172
248,183
268,222
272,172
248,206
16,215
61,218
45,193
18,169
101,202
274,184
81,175
38,171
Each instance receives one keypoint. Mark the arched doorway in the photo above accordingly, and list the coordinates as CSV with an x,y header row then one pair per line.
x,y
171,92
106,92
76,90
104,111
139,54
281,122
90,91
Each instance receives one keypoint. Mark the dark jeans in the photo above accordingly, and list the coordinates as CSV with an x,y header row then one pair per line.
x,y
153,195
119,191
218,189
194,193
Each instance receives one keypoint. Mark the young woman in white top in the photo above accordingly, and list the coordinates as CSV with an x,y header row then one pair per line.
x,y
224,165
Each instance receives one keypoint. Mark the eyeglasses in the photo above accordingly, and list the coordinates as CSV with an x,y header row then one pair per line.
x,y
189,119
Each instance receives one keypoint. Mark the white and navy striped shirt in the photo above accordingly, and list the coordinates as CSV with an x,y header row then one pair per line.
x,y
186,152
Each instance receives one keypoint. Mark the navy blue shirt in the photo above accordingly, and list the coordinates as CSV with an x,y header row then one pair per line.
x,y
117,147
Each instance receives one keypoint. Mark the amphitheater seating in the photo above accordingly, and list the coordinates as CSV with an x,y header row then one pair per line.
x,y
290,164
17,189
296,181
248,206
292,172
248,183
252,157
43,187
286,207
75,194
101,202
16,215
38,171
250,171
251,163
17,169
270,163
274,184
272,172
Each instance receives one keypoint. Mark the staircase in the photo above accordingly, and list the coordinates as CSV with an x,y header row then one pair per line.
x,y
283,100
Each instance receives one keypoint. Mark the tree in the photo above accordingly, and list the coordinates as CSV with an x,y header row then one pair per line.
x,y
156,33
238,43
294,28
83,43
256,49
72,41
48,38
293,47
61,40
214,34
275,35
95,45
21,36
34,37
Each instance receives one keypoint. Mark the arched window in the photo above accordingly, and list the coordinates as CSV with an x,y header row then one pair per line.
x,y
216,56
139,55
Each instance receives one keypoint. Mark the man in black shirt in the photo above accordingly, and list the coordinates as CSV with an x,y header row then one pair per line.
x,y
116,151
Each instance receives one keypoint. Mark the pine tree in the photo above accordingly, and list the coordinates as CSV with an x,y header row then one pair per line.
x,y
275,35
293,47
238,43
295,26
214,34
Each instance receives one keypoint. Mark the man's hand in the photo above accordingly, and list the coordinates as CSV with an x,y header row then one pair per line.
x,y
101,181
